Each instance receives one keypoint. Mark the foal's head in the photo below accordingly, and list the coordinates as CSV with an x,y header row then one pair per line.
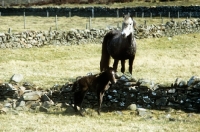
x,y
128,26
111,75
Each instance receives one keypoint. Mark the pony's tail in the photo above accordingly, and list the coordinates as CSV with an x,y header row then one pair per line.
x,y
105,56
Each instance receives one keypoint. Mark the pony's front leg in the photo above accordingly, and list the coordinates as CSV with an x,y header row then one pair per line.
x,y
123,66
115,64
131,64
100,100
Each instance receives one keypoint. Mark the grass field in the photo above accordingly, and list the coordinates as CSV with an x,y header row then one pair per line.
x,y
109,122
161,60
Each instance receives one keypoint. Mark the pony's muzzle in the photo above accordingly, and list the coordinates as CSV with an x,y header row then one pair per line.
x,y
123,34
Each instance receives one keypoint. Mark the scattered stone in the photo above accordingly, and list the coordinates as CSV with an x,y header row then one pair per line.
x,y
21,104
43,109
143,112
118,113
45,98
193,80
17,78
4,110
47,104
35,95
132,107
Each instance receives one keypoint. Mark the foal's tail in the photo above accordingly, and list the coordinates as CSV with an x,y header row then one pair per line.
x,y
105,56
74,86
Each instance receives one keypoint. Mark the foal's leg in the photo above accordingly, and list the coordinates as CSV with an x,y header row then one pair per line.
x,y
115,64
82,98
100,100
131,64
123,66
77,100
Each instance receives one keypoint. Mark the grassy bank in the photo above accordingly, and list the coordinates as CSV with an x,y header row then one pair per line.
x,y
162,60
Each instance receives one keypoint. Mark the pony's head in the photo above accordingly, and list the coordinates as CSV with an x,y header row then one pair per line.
x,y
128,25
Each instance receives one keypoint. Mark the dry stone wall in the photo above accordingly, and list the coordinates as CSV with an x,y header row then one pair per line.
x,y
31,39
155,11
127,93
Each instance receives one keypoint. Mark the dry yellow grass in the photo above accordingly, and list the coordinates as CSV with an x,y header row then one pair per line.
x,y
109,121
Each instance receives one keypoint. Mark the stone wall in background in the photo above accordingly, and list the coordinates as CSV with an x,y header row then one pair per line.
x,y
31,39
154,11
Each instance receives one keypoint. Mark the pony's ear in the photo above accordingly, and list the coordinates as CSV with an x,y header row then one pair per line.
x,y
129,15
134,23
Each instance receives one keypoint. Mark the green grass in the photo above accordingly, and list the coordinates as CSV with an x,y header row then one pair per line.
x,y
161,60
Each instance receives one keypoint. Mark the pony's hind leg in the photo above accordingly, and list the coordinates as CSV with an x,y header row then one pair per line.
x,y
115,64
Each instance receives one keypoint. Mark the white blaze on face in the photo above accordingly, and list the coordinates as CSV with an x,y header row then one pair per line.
x,y
127,27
